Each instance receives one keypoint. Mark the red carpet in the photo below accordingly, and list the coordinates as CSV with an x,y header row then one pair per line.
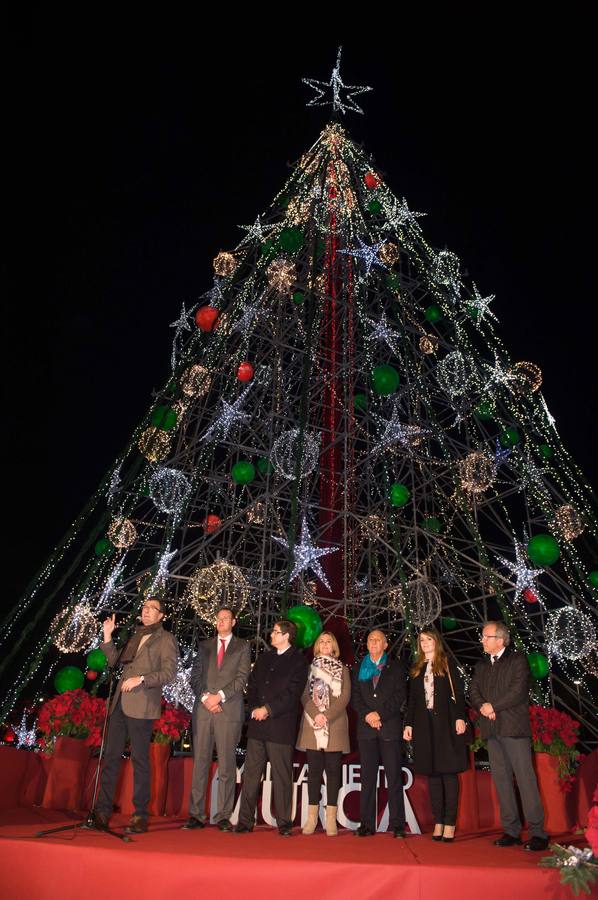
x,y
167,862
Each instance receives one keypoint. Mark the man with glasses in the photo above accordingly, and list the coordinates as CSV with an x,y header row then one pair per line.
x,y
149,661
218,679
500,692
273,693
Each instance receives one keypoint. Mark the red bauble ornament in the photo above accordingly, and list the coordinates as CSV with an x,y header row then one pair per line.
x,y
211,523
371,180
9,736
91,675
529,595
245,371
206,317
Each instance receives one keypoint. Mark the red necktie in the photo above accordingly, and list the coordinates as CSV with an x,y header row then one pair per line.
x,y
221,652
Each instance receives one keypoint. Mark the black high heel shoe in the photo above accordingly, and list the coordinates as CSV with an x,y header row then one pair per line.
x,y
448,840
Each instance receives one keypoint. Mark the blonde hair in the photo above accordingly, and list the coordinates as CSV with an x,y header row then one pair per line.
x,y
440,661
336,650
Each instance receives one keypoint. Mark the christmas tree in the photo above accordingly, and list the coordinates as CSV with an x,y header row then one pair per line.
x,y
344,436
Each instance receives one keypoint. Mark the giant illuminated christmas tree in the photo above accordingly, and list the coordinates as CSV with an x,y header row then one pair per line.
x,y
345,433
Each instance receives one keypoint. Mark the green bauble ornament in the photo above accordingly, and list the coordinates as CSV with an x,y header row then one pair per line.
x,y
385,379
432,524
264,466
308,623
298,298
104,547
449,623
164,417
96,660
538,665
433,313
290,240
70,678
484,411
545,451
393,281
473,312
361,402
269,248
543,550
593,578
374,206
243,472
509,438
399,494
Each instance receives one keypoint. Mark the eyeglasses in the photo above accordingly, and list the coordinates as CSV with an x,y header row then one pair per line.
x,y
151,608
486,637
276,631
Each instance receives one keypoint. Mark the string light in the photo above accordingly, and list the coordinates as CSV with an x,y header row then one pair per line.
x,y
281,275
527,376
336,87
445,270
418,601
74,629
26,737
570,633
154,444
256,514
224,264
568,523
211,587
389,253
169,489
292,447
453,374
428,344
477,472
122,533
196,381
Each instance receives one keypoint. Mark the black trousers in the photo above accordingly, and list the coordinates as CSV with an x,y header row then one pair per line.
x,y
444,797
372,752
318,762
139,732
280,757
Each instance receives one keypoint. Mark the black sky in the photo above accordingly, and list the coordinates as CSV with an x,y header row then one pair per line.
x,y
132,163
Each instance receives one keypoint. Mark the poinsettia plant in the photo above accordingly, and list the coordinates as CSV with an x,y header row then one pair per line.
x,y
73,714
171,724
556,733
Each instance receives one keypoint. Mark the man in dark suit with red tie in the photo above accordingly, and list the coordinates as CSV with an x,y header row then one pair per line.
x,y
218,679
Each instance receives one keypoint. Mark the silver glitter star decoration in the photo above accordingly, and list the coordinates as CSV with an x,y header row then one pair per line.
x,y
336,86
255,232
179,691
231,414
181,325
396,432
481,305
367,253
306,555
161,576
249,313
501,454
525,579
531,476
110,585
115,483
499,374
382,332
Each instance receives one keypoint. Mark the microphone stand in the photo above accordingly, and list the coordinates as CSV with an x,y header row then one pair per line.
x,y
90,820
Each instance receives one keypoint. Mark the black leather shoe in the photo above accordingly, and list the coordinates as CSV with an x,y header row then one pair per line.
x,y
224,825
98,820
506,840
137,825
242,829
285,831
363,831
536,843
398,832
193,822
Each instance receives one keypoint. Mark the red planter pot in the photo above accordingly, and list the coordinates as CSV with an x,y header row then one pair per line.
x,y
557,816
159,756
66,774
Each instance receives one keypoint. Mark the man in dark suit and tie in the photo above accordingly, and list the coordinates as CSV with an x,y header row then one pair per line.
x,y
218,678
377,695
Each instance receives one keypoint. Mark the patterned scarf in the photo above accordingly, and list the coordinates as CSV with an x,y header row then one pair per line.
x,y
325,678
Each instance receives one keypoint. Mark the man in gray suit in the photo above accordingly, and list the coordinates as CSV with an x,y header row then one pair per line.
x,y
149,661
218,679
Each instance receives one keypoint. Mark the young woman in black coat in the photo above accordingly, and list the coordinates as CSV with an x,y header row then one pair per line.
x,y
435,724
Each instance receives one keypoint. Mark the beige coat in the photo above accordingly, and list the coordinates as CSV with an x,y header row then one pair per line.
x,y
338,738
156,660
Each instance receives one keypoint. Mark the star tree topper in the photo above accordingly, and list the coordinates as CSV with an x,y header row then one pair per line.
x,y
336,85
306,555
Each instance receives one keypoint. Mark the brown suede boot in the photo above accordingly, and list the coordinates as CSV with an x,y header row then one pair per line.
x,y
331,827
312,819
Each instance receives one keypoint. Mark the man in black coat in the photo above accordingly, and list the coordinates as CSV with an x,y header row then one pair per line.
x,y
377,696
499,691
273,693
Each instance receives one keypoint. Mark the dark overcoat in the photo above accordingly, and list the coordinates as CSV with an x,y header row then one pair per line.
x,y
437,748
386,698
505,685
276,682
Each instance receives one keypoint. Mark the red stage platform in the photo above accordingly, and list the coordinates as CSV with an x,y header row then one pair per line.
x,y
167,862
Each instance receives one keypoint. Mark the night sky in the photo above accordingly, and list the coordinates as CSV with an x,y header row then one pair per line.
x,y
132,163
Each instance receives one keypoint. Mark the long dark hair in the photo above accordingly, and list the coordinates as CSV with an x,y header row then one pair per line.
x,y
440,661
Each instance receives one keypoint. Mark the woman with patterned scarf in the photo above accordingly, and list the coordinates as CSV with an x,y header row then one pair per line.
x,y
324,732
